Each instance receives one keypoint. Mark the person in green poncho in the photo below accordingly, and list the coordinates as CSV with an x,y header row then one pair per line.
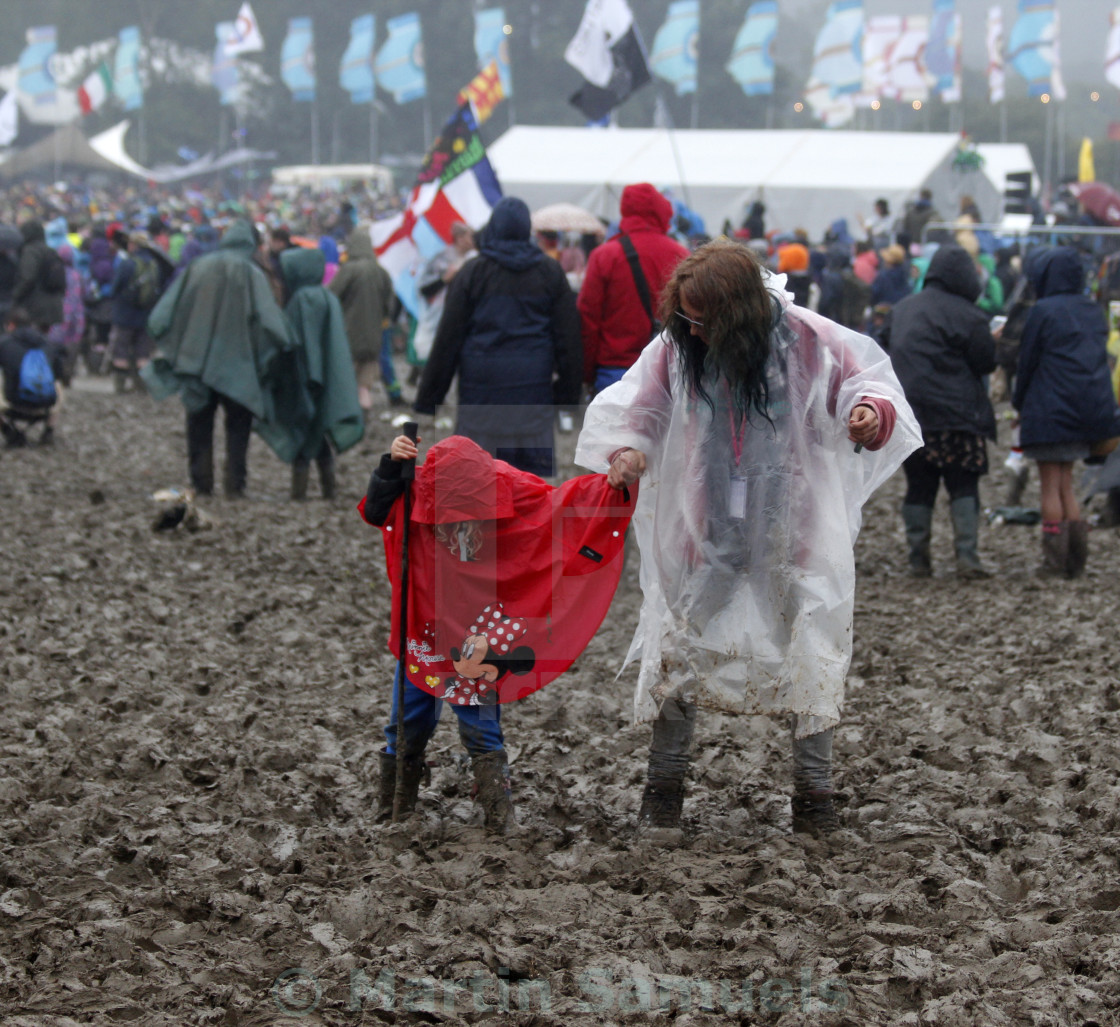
x,y
316,392
218,333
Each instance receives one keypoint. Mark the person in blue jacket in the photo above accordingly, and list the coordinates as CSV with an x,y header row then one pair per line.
x,y
1064,397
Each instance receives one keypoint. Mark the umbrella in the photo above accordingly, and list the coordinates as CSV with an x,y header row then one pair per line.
x,y
1099,200
566,217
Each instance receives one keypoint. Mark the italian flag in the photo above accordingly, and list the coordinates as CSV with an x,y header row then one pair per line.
x,y
94,91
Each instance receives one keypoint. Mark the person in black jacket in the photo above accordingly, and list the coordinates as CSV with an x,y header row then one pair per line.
x,y
511,330
31,291
941,348
1063,392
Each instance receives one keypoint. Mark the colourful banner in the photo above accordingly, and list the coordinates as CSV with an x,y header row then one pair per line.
x,y
355,74
752,56
676,46
297,60
399,65
943,56
223,69
492,44
36,83
126,70
1033,47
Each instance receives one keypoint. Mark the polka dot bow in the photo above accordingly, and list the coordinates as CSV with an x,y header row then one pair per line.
x,y
501,631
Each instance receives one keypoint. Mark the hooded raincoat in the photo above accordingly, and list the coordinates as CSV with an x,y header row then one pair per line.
x,y
746,533
218,328
315,391
1063,391
365,291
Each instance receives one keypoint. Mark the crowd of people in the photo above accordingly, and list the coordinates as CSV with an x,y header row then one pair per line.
x,y
756,388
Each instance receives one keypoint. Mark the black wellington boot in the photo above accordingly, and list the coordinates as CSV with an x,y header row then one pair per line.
x,y
415,770
491,776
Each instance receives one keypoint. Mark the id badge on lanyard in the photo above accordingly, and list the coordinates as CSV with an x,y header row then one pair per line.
x,y
737,498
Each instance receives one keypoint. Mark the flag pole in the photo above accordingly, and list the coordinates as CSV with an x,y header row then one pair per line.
x,y
669,128
314,131
373,128
408,473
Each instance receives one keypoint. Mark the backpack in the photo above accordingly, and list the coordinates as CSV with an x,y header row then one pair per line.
x,y
52,273
143,288
36,380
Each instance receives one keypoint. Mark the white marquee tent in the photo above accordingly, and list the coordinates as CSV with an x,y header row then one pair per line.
x,y
806,179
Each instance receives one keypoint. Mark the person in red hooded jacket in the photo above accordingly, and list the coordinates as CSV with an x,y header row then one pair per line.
x,y
616,323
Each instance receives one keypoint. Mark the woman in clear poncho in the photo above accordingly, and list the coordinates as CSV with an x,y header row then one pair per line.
x,y
759,430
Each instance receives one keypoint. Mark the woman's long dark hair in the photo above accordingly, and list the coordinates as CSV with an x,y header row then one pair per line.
x,y
723,280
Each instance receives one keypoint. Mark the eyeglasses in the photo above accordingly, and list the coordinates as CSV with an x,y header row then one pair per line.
x,y
681,314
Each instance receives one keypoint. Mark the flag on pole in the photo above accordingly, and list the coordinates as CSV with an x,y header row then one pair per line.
x,y
943,58
491,43
907,79
607,51
399,65
1033,47
245,36
996,74
126,70
96,89
355,74
1112,54
297,60
9,118
676,46
483,92
837,74
752,56
455,183
223,69
36,83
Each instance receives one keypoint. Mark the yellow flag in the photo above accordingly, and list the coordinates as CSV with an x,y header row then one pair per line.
x,y
1085,170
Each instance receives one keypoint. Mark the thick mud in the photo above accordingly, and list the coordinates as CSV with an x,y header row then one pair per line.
x,y
188,735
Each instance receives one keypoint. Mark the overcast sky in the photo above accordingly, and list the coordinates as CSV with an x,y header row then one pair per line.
x,y
1084,27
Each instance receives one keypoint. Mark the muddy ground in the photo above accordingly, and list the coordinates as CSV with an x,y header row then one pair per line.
x,y
188,733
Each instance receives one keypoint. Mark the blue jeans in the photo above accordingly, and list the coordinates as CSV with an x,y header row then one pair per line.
x,y
388,372
480,728
605,376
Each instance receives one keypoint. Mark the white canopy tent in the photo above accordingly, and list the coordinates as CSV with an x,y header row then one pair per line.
x,y
806,179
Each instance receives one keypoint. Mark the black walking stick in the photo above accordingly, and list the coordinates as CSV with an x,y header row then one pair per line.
x,y
408,473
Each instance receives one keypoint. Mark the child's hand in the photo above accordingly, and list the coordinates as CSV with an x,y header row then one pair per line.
x,y
403,448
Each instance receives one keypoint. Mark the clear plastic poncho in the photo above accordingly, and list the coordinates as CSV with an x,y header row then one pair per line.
x,y
746,536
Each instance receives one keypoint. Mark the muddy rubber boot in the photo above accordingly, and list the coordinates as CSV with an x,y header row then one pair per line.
x,y
1078,554
1016,484
814,813
965,513
415,770
301,473
662,801
1055,549
918,522
328,483
491,777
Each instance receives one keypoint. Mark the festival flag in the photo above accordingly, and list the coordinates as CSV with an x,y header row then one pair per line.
x,y
455,183
355,74
297,60
676,46
399,65
943,57
491,43
483,92
9,118
752,56
1033,48
996,75
1086,166
223,69
837,74
880,37
907,80
1112,54
126,70
96,89
245,34
607,51
36,83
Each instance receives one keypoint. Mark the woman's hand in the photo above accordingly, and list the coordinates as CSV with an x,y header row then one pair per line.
x,y
627,467
403,448
863,425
